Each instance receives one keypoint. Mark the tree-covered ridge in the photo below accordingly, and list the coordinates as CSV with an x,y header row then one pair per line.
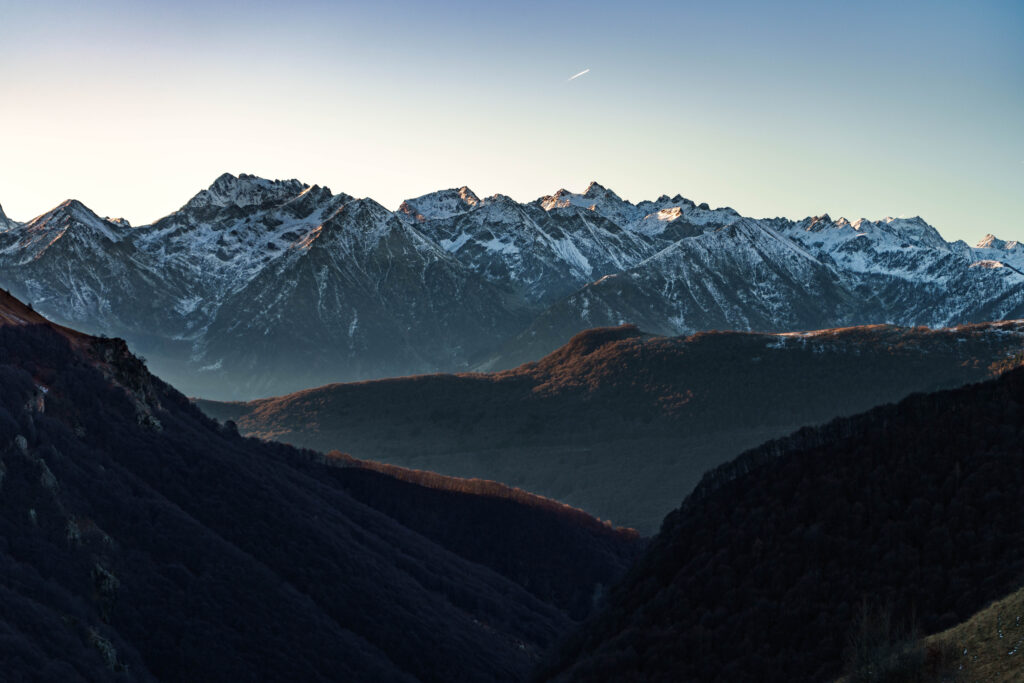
x,y
761,574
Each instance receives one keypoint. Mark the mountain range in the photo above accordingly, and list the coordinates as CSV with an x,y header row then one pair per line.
x,y
140,540
621,423
258,287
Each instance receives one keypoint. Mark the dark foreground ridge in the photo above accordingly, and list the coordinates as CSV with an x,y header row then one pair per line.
x,y
141,540
623,424
912,512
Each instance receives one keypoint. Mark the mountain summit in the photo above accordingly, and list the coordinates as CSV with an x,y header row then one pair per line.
x,y
992,242
245,190
440,205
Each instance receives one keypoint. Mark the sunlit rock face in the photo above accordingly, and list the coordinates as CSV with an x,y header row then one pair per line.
x,y
257,287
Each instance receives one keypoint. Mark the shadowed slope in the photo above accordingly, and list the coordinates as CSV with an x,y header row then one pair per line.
x,y
560,554
139,539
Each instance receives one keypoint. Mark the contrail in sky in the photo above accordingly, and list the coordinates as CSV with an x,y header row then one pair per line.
x,y
579,74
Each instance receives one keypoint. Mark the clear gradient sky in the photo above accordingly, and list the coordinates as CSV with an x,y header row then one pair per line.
x,y
796,108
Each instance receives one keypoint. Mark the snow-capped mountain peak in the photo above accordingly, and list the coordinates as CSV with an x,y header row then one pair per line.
x,y
597,199
990,241
245,191
917,232
597,191
361,218
888,234
595,194
559,200
665,200
73,214
70,228
440,205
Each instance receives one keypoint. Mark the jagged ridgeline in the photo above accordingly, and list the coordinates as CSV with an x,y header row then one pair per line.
x,y
258,287
140,540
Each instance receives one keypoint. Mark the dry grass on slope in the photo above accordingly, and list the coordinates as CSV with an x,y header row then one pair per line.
x,y
987,647
486,488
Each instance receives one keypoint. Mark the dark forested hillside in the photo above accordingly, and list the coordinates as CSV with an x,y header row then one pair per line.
x,y
910,511
560,554
620,423
140,540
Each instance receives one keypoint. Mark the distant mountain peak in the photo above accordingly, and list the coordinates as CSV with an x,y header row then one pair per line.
x,y
72,212
74,205
677,200
440,204
990,241
596,190
321,190
245,190
468,195
917,231
70,208
366,210
594,195
900,221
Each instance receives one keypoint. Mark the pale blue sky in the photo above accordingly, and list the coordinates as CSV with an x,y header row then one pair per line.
x,y
856,109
